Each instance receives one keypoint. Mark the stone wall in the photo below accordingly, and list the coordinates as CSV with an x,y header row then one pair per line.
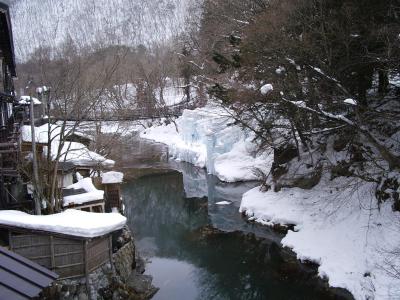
x,y
124,260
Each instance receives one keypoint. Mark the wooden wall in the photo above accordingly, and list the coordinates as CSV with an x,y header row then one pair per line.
x,y
69,257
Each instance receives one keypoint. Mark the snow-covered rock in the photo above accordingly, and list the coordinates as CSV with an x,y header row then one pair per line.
x,y
266,89
280,70
70,222
350,101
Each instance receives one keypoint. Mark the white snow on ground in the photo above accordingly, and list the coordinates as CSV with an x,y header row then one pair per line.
x,y
92,194
112,177
70,222
339,227
206,138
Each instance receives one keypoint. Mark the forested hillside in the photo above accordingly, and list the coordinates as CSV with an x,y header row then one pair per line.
x,y
49,23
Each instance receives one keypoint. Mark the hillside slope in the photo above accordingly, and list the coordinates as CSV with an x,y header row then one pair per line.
x,y
48,23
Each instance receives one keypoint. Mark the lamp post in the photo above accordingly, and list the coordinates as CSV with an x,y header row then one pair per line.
x,y
44,96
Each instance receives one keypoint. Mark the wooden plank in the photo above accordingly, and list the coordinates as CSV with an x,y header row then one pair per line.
x,y
68,253
53,263
68,266
29,246
86,267
41,232
110,252
10,241
73,276
4,145
39,257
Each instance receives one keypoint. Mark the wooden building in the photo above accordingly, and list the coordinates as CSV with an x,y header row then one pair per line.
x,y
72,243
67,255
10,181
111,182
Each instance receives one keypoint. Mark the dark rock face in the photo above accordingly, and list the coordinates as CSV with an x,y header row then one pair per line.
x,y
305,181
284,154
342,168
124,261
141,284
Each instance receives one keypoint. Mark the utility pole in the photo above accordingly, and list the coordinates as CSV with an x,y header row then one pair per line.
x,y
37,193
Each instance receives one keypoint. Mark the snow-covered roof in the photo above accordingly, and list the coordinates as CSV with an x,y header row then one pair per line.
x,y
73,152
83,198
112,177
25,100
92,194
70,222
80,155
40,134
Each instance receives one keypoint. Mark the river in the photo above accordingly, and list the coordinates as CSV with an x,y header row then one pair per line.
x,y
198,249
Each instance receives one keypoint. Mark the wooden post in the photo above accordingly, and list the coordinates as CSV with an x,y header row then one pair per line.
x,y
10,239
85,249
53,261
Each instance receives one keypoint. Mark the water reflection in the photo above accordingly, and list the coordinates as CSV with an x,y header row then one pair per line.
x,y
200,250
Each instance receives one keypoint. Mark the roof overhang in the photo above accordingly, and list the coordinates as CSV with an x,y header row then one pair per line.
x,y
7,44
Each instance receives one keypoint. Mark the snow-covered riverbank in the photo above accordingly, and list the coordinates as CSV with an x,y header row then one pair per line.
x,y
338,226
